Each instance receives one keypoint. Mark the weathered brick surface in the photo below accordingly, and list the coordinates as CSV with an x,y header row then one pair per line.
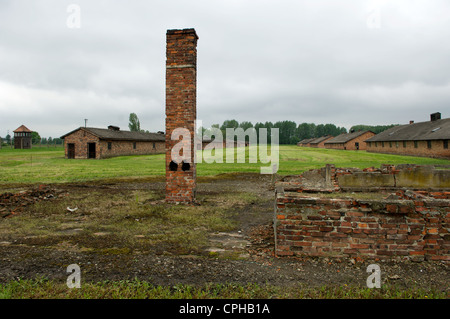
x,y
395,229
181,112
80,139
127,148
409,148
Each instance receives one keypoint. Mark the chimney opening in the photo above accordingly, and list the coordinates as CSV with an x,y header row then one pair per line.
x,y
173,166
185,166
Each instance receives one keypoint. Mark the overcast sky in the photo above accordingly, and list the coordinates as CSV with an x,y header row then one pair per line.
x,y
345,62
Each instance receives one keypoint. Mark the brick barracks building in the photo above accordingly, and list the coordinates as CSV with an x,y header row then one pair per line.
x,y
350,141
305,142
97,143
429,139
320,142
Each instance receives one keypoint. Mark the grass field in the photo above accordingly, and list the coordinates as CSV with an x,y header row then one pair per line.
x,y
128,226
48,165
135,289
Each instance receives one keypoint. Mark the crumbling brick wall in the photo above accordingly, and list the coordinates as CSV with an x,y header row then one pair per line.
x,y
415,228
390,176
331,178
408,221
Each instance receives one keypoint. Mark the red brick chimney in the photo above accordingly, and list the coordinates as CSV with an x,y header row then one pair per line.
x,y
181,112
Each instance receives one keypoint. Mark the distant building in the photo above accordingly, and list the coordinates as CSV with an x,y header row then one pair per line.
x,y
89,142
428,139
349,141
305,142
22,138
320,142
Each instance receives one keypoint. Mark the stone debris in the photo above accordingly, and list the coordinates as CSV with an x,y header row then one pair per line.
x,y
13,203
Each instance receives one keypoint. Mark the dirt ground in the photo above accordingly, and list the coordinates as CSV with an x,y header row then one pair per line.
x,y
242,255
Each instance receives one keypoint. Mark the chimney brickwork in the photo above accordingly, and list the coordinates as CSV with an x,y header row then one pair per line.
x,y
181,112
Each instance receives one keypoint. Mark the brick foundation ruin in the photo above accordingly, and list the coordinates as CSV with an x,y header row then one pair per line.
x,y
381,213
181,112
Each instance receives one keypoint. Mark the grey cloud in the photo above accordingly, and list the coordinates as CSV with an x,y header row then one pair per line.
x,y
313,61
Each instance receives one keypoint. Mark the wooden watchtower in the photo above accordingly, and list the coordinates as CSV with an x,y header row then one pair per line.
x,y
22,138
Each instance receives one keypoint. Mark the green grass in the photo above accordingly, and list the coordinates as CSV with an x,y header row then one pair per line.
x,y
48,165
129,221
136,289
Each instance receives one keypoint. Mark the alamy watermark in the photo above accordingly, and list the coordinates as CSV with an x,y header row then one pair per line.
x,y
373,20
374,280
74,279
74,19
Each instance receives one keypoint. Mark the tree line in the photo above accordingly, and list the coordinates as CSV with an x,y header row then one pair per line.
x,y
289,132
376,129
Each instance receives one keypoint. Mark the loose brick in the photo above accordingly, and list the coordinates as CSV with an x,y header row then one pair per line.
x,y
391,208
405,209
359,246
355,214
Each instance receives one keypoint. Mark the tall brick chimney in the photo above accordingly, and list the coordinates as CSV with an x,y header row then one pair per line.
x,y
181,112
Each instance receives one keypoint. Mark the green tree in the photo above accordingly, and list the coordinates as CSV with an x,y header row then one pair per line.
x,y
35,138
374,128
245,125
319,131
287,132
228,124
134,125
210,132
269,126
306,130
